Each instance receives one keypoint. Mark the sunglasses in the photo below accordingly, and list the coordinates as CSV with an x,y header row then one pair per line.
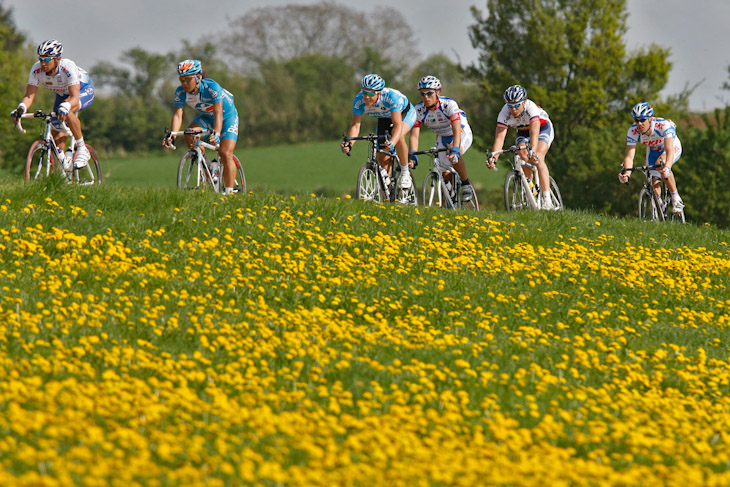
x,y
187,79
428,93
370,93
641,120
514,105
46,60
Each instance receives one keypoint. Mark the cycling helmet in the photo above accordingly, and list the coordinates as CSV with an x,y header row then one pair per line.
x,y
189,67
515,94
372,82
50,48
429,82
642,110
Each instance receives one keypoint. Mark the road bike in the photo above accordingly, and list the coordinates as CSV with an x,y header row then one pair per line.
x,y
45,157
196,171
442,185
373,181
521,194
653,206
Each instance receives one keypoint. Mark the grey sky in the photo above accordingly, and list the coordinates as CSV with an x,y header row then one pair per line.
x,y
93,31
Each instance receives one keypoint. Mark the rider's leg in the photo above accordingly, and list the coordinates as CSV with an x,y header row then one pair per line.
x,y
225,152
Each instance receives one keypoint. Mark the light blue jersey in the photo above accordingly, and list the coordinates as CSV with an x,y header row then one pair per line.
x,y
389,101
209,94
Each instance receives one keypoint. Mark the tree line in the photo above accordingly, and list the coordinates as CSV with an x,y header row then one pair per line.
x,y
294,71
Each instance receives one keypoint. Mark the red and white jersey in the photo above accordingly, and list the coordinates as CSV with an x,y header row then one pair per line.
x,y
531,111
67,74
439,117
660,129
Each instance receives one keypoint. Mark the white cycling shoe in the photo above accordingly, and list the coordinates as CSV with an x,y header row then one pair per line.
x,y
405,181
82,158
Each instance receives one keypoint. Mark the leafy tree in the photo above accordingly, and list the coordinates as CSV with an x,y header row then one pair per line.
x,y
148,71
279,34
571,57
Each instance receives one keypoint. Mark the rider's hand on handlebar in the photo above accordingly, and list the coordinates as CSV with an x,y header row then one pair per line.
x,y
167,141
389,146
624,176
346,147
18,112
215,138
413,159
491,162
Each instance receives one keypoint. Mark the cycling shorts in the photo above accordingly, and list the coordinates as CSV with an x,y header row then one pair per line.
x,y
386,124
652,156
230,125
86,98
546,135
444,141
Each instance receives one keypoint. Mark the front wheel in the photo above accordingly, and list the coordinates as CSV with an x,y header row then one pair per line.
x,y
432,193
190,175
515,198
40,162
368,184
473,203
650,206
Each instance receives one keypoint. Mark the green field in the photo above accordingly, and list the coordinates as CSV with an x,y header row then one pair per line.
x,y
154,337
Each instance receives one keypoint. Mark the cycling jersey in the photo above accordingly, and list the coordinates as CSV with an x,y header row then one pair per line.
x,y
389,101
67,74
440,117
209,93
660,129
530,112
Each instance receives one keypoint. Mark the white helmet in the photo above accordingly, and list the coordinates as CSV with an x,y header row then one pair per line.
x,y
50,48
429,82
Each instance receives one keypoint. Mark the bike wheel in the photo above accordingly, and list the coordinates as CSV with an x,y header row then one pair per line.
x,y
405,196
89,174
368,184
40,161
514,194
240,186
669,213
555,197
432,194
472,204
650,206
190,175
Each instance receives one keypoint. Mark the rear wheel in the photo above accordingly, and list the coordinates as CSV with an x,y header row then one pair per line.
x,y
89,174
555,198
368,185
514,194
406,196
473,203
240,185
669,213
40,161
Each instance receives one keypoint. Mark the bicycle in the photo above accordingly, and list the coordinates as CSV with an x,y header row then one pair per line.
x,y
45,157
521,194
373,181
442,185
196,171
653,206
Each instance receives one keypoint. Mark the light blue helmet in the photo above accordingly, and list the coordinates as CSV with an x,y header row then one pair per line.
x,y
372,82
515,94
642,110
429,82
50,48
189,67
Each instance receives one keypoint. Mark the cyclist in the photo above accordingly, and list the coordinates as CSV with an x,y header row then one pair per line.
x,y
74,92
218,115
533,125
442,115
659,135
395,115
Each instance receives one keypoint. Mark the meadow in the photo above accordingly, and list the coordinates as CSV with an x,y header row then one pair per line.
x,y
153,337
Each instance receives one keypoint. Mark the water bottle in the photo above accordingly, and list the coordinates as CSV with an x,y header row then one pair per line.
x,y
69,154
386,178
215,170
60,155
532,186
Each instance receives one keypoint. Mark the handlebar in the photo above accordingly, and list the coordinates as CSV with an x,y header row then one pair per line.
x,y
369,138
38,114
194,132
645,169
432,151
513,149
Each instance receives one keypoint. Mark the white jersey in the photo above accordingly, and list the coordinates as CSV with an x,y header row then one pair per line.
x,y
67,74
439,118
660,129
531,111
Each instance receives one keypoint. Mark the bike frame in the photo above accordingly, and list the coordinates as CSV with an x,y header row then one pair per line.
x,y
204,172
439,170
517,164
388,190
47,137
659,202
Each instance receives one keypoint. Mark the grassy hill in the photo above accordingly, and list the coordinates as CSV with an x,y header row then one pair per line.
x,y
156,337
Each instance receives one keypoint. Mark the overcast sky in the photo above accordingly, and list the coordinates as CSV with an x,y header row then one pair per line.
x,y
97,30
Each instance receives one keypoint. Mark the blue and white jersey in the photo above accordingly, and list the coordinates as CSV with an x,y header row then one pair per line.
x,y
67,74
209,93
522,122
660,129
439,117
389,101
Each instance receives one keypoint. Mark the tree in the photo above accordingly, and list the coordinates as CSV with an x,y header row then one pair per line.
x,y
571,57
327,29
148,71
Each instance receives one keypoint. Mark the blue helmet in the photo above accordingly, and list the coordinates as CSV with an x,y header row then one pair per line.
x,y
429,82
372,82
642,110
50,48
189,67
515,94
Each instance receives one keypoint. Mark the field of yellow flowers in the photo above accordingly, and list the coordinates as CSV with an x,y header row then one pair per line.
x,y
160,338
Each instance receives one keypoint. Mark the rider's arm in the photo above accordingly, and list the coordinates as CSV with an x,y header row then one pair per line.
x,y
456,130
499,136
413,139
73,100
668,149
353,132
628,163
399,127
175,124
217,122
30,92
534,133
